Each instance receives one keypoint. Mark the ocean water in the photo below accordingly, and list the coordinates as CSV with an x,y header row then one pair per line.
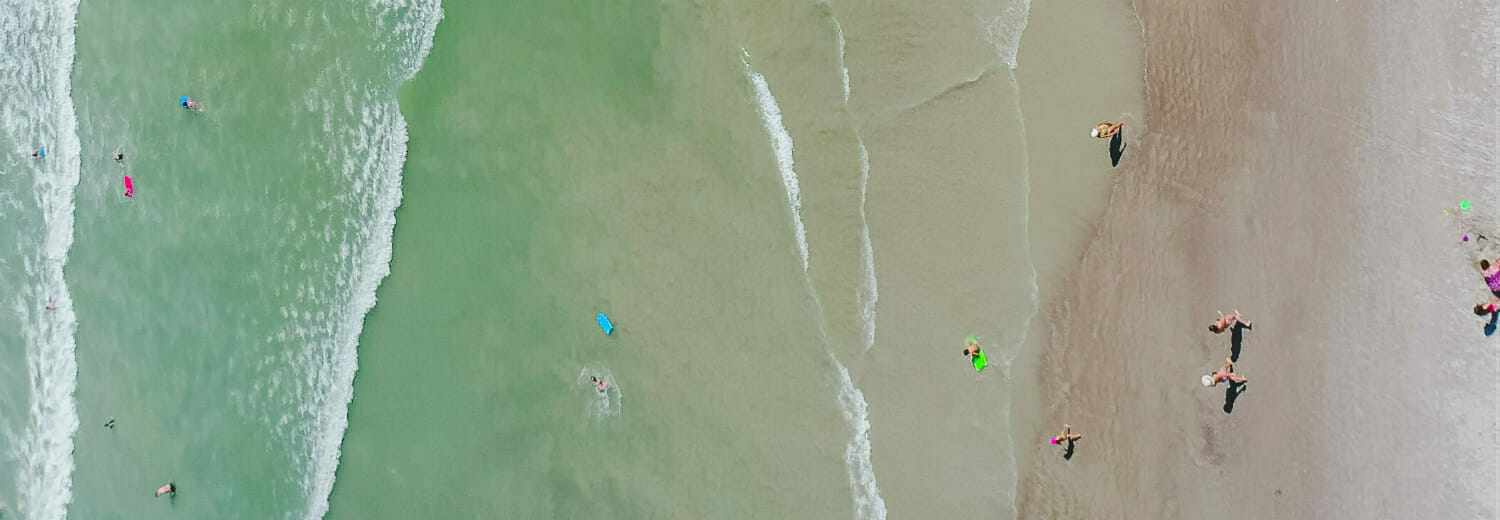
x,y
360,281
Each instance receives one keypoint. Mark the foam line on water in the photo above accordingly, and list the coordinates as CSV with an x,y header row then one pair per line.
x,y
781,142
37,107
1035,293
1006,29
868,504
869,290
375,172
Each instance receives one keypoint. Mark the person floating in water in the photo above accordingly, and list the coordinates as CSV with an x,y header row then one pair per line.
x,y
1106,129
39,153
187,103
51,304
1227,322
118,155
599,384
169,488
1067,436
971,349
110,424
1224,374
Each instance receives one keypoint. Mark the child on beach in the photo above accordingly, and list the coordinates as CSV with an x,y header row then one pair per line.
x,y
1225,322
1224,374
1491,275
1067,435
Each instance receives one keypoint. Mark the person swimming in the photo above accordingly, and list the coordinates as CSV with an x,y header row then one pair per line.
x,y
118,156
110,424
599,384
1226,322
169,488
971,349
1226,373
51,304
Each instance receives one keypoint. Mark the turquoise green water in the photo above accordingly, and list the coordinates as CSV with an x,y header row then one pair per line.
x,y
551,177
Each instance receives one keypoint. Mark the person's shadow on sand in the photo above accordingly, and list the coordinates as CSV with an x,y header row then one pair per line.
x,y
1236,338
1116,147
1068,452
1231,394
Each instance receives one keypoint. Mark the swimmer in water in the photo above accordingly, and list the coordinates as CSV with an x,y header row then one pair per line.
x,y
169,488
36,154
599,384
110,424
971,349
1106,129
1067,435
51,304
118,156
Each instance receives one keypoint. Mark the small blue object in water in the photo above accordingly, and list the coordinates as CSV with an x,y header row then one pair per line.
x,y
605,325
182,101
41,152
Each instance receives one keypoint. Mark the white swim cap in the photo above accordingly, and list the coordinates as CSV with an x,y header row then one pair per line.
x,y
1208,380
1094,132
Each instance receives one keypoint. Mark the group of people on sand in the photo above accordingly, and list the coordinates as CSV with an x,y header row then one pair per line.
x,y
1226,373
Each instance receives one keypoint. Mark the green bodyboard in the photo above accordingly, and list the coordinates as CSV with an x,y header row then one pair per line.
x,y
979,361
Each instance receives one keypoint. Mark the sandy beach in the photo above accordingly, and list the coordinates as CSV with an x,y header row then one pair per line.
x,y
1305,165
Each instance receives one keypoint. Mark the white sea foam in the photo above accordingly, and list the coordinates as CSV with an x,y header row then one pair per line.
x,y
372,164
868,504
1006,28
781,142
869,291
36,108
601,405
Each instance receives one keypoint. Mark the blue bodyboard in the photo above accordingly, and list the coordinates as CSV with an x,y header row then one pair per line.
x,y
605,325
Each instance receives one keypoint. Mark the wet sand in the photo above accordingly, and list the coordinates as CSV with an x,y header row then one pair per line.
x,y
1297,164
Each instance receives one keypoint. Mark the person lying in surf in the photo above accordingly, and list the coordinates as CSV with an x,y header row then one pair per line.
x,y
1491,275
36,154
1067,435
1224,374
51,304
971,349
1226,322
166,489
1106,129
599,384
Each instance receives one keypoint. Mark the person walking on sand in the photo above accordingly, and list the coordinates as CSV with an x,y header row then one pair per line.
x,y
1067,435
1227,322
169,488
1491,275
1224,374
599,384
1106,129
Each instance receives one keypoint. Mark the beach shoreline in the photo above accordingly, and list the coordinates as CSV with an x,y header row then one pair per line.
x,y
1267,183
